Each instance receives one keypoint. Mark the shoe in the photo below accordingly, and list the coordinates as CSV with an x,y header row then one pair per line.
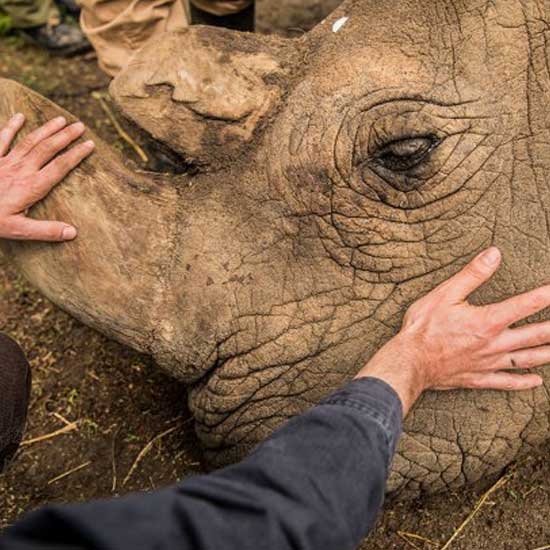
x,y
241,21
64,40
15,388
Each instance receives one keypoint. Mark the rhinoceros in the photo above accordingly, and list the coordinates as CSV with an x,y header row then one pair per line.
x,y
331,180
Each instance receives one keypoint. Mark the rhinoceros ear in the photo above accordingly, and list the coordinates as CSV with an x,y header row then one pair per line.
x,y
204,92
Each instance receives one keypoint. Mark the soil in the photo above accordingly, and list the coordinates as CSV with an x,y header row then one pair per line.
x,y
133,429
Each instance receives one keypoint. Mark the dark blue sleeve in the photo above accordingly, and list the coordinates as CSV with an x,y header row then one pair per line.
x,y
317,483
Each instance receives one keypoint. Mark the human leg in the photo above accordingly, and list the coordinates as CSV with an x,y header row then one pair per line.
x,y
15,384
29,13
117,28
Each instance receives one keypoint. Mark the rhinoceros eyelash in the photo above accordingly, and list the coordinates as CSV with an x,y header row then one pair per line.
x,y
384,155
380,140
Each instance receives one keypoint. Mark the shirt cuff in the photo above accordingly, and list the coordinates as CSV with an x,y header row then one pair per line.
x,y
377,400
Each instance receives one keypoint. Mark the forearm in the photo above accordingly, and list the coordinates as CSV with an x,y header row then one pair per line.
x,y
397,365
317,483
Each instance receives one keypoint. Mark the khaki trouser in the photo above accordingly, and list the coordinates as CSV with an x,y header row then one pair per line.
x,y
117,28
29,13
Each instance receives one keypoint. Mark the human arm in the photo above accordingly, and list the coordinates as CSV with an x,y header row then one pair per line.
x,y
317,483
30,170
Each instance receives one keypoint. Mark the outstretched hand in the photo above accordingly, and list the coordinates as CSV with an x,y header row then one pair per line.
x,y
30,171
447,343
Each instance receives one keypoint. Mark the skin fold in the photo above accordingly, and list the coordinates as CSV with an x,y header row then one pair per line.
x,y
334,180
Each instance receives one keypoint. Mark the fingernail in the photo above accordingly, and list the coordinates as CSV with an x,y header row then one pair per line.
x,y
68,233
18,118
491,256
89,144
78,126
60,120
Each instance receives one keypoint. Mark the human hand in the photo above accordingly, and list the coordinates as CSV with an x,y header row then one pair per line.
x,y
447,343
28,174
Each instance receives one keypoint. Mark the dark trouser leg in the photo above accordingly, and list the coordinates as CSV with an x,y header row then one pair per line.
x,y
15,386
241,21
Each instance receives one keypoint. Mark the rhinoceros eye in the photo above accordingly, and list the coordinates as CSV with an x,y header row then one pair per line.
x,y
404,154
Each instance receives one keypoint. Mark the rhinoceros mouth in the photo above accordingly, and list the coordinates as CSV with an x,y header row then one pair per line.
x,y
250,392
233,414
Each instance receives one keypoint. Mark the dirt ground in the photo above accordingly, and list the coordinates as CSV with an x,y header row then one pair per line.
x,y
104,421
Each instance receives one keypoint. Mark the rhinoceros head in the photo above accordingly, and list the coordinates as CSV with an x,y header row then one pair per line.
x,y
335,179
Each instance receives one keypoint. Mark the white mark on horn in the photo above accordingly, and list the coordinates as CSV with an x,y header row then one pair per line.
x,y
339,24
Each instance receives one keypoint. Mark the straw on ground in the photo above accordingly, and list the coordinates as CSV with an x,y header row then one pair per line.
x,y
146,450
69,472
66,429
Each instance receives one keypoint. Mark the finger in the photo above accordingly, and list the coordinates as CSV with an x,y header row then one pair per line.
x,y
472,276
47,149
8,133
28,143
37,230
528,336
505,381
529,358
514,309
56,170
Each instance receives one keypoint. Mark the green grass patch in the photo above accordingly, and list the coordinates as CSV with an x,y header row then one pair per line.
x,y
5,24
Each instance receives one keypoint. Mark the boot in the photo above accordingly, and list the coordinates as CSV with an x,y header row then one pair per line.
x,y
62,39
15,387
242,21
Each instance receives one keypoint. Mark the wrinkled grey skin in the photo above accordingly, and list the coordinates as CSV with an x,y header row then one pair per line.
x,y
361,242
476,76
382,157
